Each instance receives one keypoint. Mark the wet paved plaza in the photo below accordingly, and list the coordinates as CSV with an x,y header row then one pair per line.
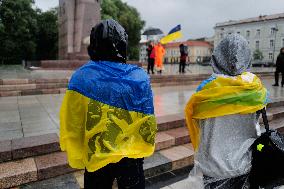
x,y
25,116
17,71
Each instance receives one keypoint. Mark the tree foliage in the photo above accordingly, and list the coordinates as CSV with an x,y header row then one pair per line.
x,y
17,29
26,33
129,18
257,55
47,35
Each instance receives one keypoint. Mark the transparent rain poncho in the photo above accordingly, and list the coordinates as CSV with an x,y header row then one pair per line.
x,y
107,113
222,120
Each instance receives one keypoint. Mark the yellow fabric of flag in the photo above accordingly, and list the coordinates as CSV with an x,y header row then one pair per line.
x,y
171,37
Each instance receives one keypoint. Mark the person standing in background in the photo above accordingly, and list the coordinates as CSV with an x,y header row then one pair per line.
x,y
151,58
279,68
159,55
183,56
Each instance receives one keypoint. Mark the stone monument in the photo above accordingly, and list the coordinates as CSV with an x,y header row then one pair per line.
x,y
76,19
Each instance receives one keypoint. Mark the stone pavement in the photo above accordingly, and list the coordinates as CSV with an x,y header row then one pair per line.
x,y
75,181
18,72
37,115
24,116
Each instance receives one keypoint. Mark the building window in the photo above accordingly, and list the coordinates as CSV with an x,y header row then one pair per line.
x,y
248,33
221,35
238,32
270,56
258,32
257,44
230,33
271,43
272,31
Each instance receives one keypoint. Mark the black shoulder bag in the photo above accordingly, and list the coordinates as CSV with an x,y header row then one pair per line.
x,y
267,158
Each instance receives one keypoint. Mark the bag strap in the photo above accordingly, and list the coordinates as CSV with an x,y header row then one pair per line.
x,y
265,120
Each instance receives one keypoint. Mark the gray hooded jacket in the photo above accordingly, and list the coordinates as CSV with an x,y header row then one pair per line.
x,y
224,149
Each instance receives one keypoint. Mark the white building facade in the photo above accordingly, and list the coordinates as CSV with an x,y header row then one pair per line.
x,y
264,33
143,44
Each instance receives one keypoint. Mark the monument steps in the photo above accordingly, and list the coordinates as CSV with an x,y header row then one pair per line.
x,y
23,87
33,159
171,131
26,147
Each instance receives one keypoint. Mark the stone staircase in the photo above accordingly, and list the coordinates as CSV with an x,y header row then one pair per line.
x,y
22,87
33,160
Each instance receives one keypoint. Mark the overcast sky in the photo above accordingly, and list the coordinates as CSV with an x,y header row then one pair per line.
x,y
197,17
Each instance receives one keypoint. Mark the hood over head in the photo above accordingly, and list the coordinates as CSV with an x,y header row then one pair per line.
x,y
282,51
108,42
232,56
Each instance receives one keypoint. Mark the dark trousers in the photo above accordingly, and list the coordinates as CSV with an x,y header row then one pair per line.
x,y
182,66
230,183
277,77
151,62
128,173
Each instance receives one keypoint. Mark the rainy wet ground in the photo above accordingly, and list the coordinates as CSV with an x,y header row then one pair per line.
x,y
23,116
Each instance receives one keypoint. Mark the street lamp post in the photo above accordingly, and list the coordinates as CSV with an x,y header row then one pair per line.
x,y
275,29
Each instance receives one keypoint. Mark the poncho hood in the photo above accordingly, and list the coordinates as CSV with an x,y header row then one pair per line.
x,y
232,56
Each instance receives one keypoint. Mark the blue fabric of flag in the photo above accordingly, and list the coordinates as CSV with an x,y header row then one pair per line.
x,y
120,85
203,83
175,29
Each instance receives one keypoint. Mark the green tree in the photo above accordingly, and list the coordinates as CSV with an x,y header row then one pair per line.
x,y
18,25
47,35
257,55
129,18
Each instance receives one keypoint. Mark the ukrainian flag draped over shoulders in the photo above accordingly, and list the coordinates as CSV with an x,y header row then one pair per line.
x,y
107,114
174,34
223,95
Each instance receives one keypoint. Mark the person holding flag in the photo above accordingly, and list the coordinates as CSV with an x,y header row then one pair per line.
x,y
174,34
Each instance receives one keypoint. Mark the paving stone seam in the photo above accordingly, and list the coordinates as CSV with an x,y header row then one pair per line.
x,y
18,104
54,122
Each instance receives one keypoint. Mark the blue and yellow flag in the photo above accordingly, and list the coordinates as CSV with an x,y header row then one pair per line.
x,y
220,96
174,34
107,114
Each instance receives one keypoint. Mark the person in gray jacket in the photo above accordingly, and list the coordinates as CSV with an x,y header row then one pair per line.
x,y
223,156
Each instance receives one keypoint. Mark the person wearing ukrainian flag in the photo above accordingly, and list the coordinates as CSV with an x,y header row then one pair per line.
x,y
222,118
107,122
